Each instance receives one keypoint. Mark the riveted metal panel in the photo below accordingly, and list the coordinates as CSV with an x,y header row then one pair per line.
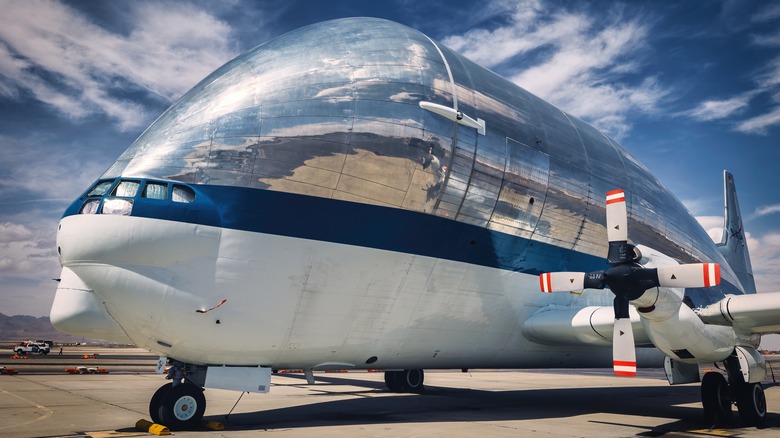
x,y
522,196
456,183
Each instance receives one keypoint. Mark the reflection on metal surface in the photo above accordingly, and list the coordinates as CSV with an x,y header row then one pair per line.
x,y
336,110
523,191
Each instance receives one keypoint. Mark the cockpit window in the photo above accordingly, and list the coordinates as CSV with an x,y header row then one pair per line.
x,y
127,189
100,188
182,194
90,207
120,196
118,206
155,191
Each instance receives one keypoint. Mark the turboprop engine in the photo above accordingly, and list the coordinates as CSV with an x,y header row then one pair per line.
x,y
654,284
672,326
656,290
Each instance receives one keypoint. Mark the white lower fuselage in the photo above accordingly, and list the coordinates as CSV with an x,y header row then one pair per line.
x,y
294,302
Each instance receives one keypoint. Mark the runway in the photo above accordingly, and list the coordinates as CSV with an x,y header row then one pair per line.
x,y
43,401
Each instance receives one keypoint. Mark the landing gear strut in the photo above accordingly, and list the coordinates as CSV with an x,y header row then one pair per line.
x,y
717,396
180,404
405,381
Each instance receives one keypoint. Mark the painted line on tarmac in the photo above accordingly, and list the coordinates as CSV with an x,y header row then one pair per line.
x,y
47,412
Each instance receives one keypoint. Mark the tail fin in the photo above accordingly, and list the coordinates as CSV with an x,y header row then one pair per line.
x,y
733,244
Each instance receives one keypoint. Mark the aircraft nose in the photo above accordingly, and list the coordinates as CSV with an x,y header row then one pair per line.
x,y
131,221
127,240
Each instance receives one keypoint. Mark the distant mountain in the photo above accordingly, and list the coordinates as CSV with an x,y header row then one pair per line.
x,y
24,327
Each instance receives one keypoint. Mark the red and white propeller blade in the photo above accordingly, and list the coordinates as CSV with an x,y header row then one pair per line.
x,y
628,280
690,275
623,354
617,218
562,281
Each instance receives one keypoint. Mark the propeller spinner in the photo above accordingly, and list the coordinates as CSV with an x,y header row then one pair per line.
x,y
627,280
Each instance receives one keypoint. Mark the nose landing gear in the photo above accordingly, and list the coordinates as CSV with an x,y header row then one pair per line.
x,y
180,404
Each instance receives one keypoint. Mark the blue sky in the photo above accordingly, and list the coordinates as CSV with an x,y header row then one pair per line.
x,y
690,88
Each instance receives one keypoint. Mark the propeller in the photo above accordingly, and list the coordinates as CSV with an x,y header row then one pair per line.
x,y
628,280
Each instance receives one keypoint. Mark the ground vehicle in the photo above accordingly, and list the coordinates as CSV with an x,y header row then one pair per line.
x,y
32,347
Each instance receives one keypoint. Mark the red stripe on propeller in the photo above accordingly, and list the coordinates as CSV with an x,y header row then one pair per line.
x,y
624,368
545,283
711,274
615,196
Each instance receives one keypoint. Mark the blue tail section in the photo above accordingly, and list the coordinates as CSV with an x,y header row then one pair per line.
x,y
733,244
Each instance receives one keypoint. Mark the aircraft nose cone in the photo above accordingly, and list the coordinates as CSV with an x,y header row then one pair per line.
x,y
127,240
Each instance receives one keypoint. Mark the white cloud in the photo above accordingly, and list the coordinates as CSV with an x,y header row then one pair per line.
x,y
27,250
529,29
767,40
770,12
720,109
770,76
765,258
10,67
713,225
28,262
33,193
759,124
13,233
764,252
79,68
767,209
45,175
766,80
577,59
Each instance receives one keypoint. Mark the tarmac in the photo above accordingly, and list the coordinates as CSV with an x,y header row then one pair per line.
x,y
44,401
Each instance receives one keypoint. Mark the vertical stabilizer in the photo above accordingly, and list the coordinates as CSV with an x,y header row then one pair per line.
x,y
733,244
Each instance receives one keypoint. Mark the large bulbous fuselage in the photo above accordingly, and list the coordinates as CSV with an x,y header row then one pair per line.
x,y
299,207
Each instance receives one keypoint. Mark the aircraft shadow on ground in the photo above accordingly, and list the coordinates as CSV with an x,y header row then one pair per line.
x,y
441,404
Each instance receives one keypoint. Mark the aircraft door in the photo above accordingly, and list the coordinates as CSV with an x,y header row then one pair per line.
x,y
523,190
489,164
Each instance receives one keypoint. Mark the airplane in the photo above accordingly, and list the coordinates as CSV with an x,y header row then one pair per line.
x,y
355,195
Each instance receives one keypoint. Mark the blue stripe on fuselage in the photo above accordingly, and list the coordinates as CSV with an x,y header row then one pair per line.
x,y
372,226
390,229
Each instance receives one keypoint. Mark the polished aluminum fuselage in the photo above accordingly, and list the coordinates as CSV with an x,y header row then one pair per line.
x,y
350,227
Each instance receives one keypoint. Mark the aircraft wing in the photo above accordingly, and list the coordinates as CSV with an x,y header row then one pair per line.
x,y
752,313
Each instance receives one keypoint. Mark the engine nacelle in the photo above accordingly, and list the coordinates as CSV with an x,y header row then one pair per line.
x,y
674,328
685,337
590,325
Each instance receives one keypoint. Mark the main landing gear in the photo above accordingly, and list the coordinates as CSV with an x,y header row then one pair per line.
x,y
180,404
405,381
717,396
